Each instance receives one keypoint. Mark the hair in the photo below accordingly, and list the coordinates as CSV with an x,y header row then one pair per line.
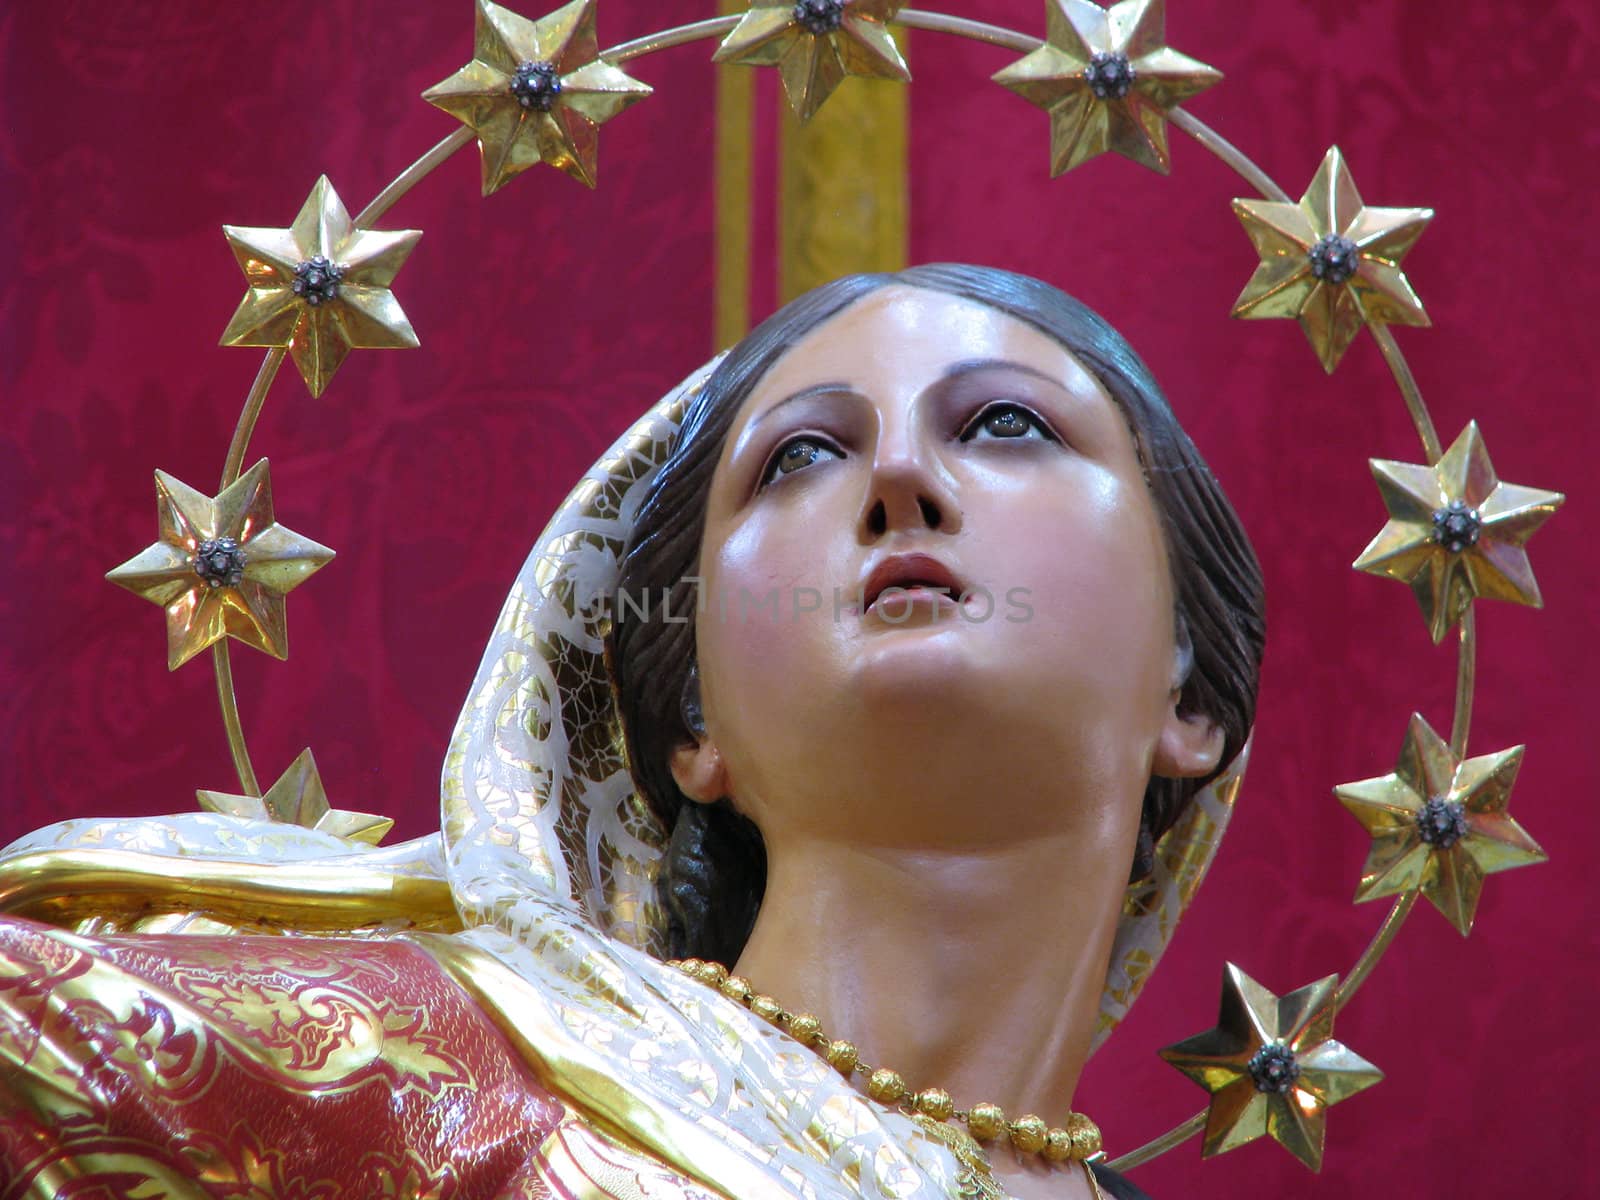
x,y
715,868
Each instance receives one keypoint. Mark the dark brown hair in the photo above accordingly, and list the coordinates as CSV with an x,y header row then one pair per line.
x,y
715,871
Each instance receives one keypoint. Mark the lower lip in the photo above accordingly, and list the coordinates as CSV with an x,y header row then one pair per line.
x,y
904,599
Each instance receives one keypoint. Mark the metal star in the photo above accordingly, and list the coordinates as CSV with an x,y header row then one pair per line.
x,y
1108,81
1331,262
320,287
1456,532
815,44
1439,824
1272,1066
221,566
298,798
536,91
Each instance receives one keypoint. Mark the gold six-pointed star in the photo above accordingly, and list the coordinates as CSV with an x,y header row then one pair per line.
x,y
536,91
1272,1067
320,287
1108,80
815,44
298,798
221,566
1331,262
1455,532
1439,824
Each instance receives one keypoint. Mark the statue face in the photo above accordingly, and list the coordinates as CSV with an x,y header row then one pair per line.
x,y
918,437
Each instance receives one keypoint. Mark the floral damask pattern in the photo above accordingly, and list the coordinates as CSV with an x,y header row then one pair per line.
x,y
278,1068
228,1067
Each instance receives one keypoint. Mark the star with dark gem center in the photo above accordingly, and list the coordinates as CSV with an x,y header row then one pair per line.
x,y
1439,824
320,288
536,85
1331,262
1109,81
222,566
220,562
1272,1066
536,92
816,45
1456,532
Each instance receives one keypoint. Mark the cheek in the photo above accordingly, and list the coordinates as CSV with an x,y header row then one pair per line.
x,y
766,615
1096,567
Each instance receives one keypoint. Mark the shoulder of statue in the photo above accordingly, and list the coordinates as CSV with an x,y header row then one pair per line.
x,y
206,872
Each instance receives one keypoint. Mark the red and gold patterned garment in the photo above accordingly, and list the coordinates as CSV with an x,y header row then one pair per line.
x,y
290,1068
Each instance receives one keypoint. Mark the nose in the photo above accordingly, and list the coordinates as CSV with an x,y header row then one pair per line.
x,y
909,489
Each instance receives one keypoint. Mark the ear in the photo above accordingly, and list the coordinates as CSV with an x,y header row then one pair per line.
x,y
1187,747
698,770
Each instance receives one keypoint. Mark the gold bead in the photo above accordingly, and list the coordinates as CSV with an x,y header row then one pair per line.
x,y
766,1008
886,1086
688,966
1027,1133
935,1103
985,1121
712,973
736,987
841,1057
805,1027
1085,1136
1057,1145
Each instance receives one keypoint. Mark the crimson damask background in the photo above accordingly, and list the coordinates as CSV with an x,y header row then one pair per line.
x,y
550,316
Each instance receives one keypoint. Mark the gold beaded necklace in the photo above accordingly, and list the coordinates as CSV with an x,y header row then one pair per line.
x,y
1077,1139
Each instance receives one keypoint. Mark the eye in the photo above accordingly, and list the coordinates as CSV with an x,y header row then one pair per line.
x,y
796,454
1005,419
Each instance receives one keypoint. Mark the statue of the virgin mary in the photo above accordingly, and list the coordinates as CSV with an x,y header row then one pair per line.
x,y
863,722
844,755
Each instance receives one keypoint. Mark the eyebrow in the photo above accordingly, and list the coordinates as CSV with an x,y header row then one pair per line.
x,y
972,366
837,387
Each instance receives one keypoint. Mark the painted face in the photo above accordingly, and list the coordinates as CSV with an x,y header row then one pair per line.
x,y
931,568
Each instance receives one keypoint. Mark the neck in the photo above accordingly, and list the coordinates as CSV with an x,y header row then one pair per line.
x,y
978,971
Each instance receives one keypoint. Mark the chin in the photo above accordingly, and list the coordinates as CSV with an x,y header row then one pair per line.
x,y
914,667
920,687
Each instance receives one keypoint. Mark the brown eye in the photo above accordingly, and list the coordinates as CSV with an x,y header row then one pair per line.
x,y
795,455
1005,421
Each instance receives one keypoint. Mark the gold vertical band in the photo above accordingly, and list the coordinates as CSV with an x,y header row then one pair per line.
x,y
735,118
843,198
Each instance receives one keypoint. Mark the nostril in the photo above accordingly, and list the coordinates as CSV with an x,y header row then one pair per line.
x,y
877,519
930,512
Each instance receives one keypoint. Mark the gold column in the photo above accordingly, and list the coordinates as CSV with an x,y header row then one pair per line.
x,y
843,194
843,186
